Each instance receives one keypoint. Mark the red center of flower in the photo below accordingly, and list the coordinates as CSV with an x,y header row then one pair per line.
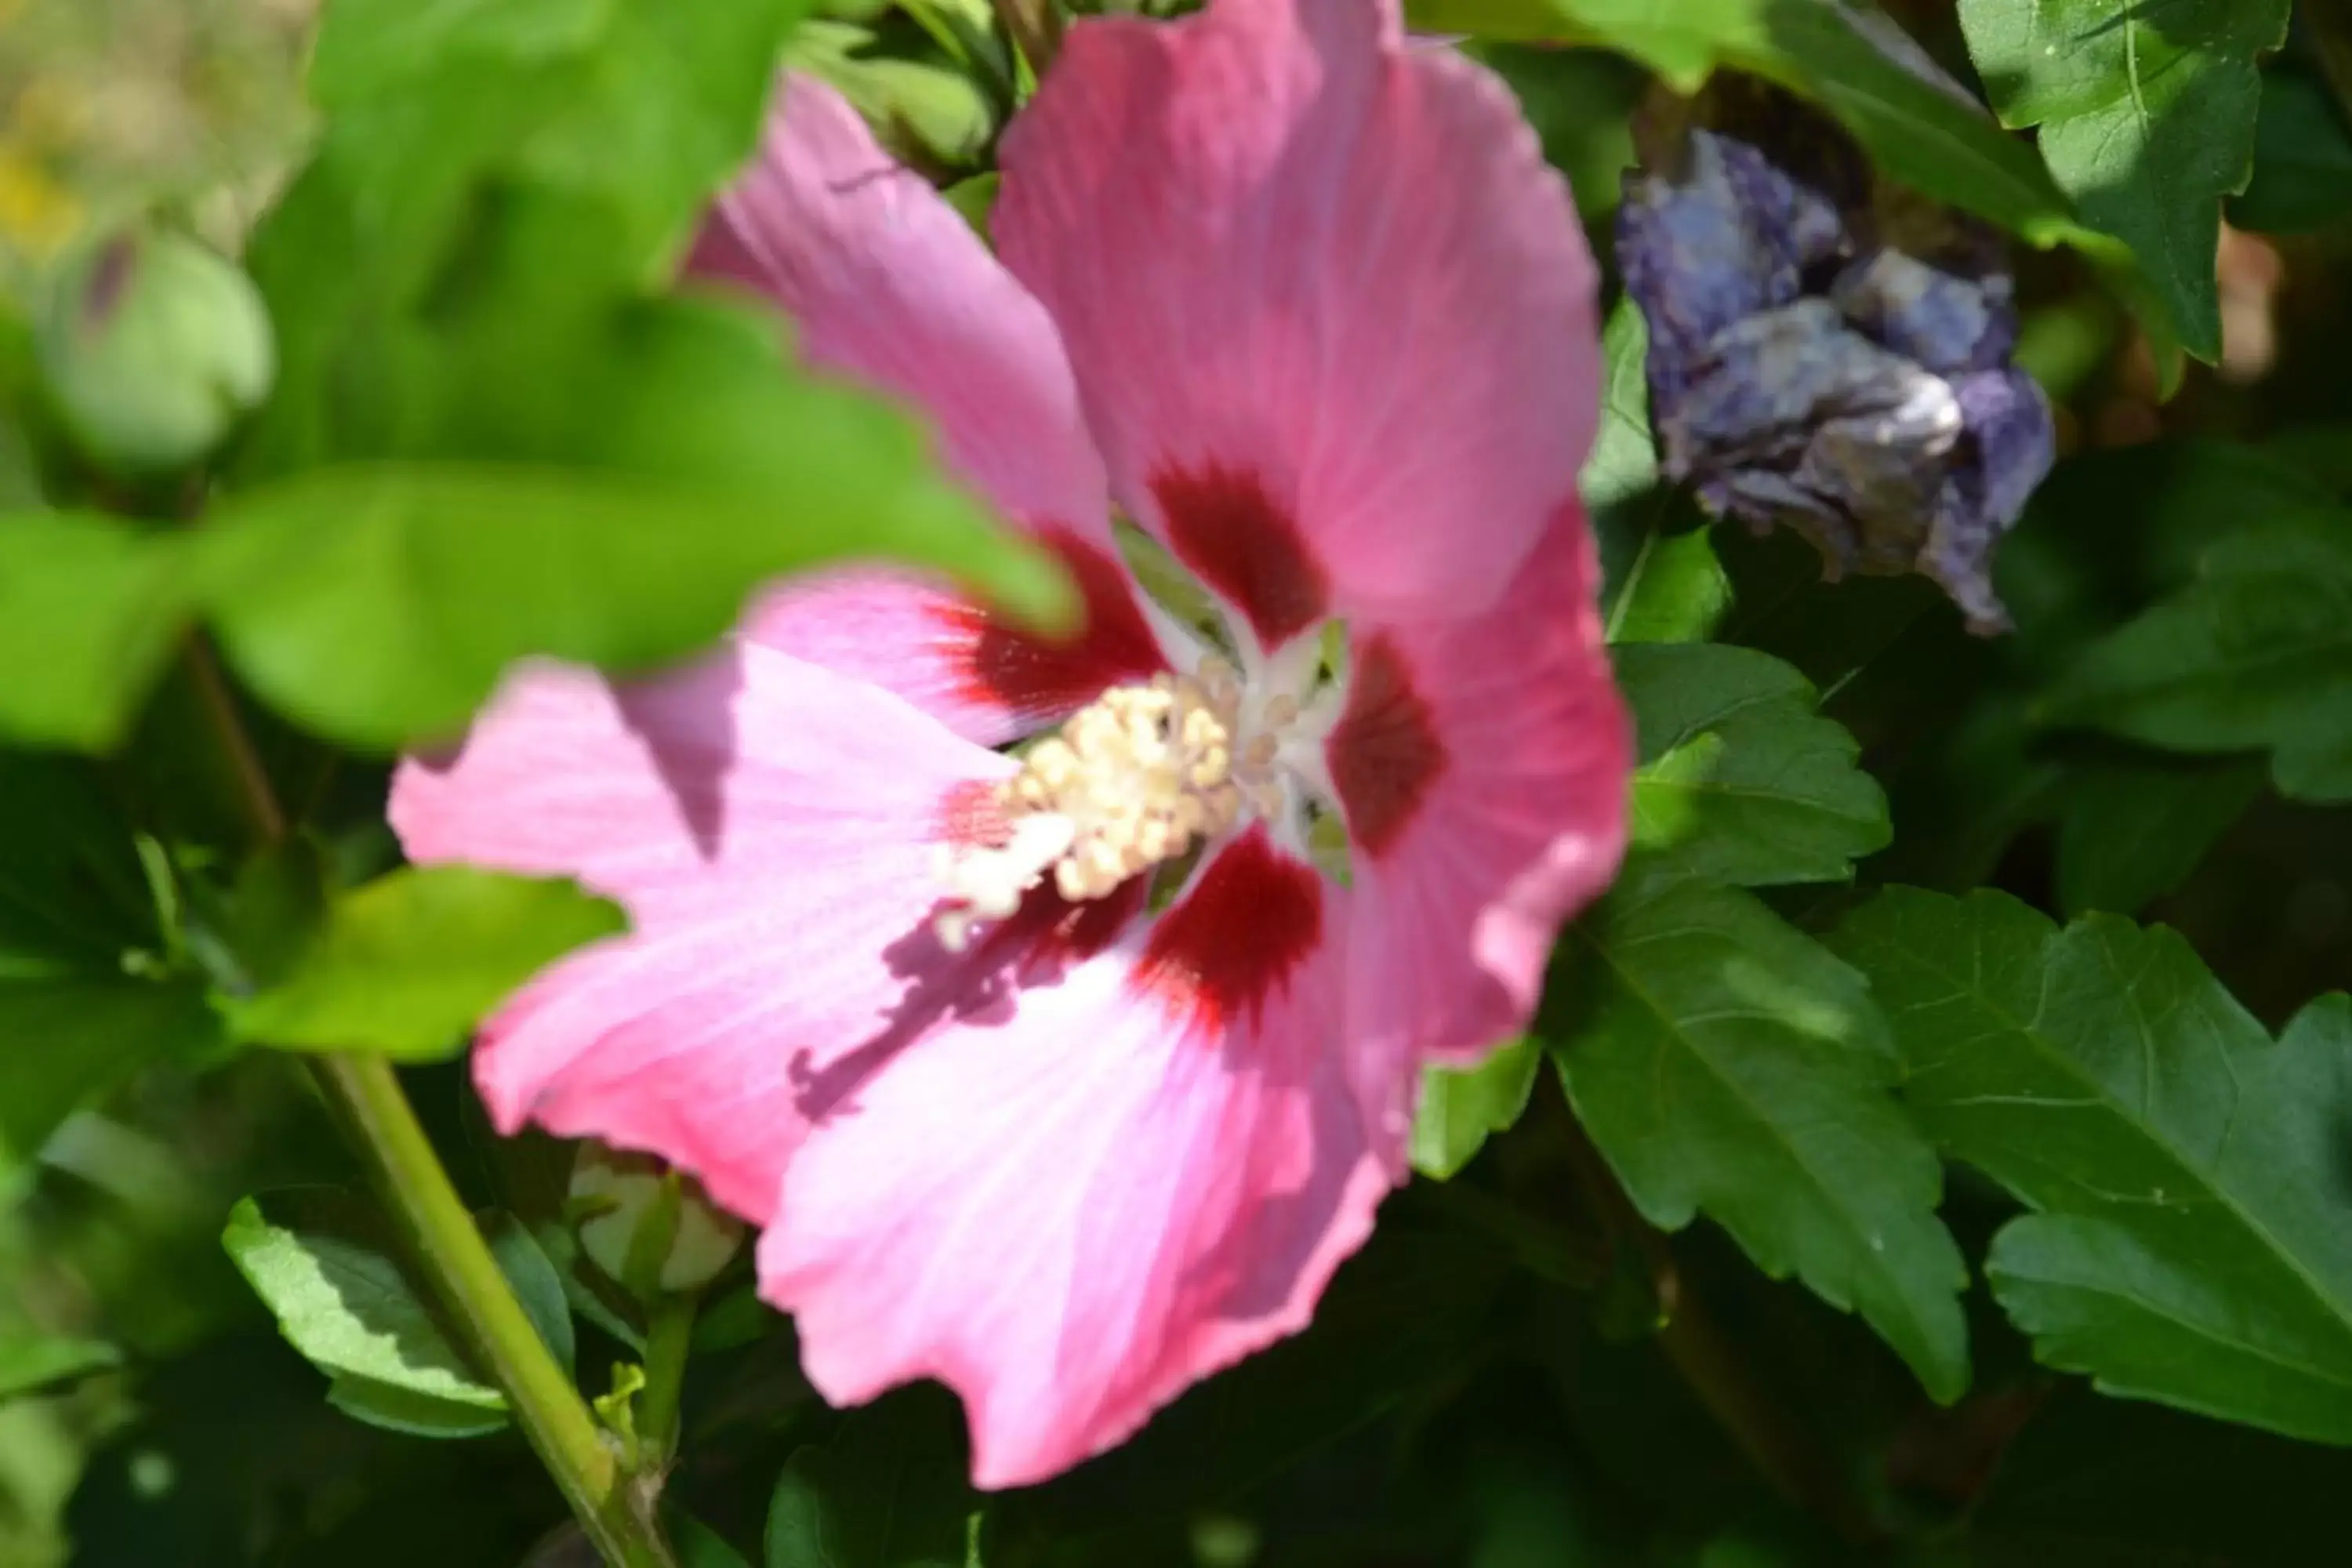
x,y
1222,524
1045,677
1384,753
1219,952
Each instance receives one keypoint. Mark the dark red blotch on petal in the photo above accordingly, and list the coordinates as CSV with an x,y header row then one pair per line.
x,y
1046,677
1384,753
1223,525
1220,952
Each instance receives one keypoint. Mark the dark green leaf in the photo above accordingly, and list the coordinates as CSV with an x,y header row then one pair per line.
x,y
73,895
699,1546
409,1412
2094,1484
30,1362
1740,781
888,1491
2193,1238
2256,653
1460,1108
536,1283
91,608
66,1040
1725,1063
2147,120
2303,159
2134,828
407,964
322,1263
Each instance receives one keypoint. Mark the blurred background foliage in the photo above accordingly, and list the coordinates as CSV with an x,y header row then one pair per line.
x,y
1519,1370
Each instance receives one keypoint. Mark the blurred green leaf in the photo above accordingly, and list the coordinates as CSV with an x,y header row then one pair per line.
x,y
90,608
381,603
30,1362
888,1491
2303,159
1740,781
1725,1063
2147,120
66,1040
407,964
1920,131
73,895
2132,828
323,1262
1461,1107
2256,653
2192,1238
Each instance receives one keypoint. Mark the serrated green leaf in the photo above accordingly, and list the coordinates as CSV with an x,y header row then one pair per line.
x,y
90,608
30,1362
1724,1063
2146,117
2192,1242
2254,654
2303,159
2134,828
1460,1108
1740,781
888,1490
408,963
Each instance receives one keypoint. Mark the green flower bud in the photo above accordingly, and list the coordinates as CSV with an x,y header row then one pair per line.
x,y
154,347
647,1226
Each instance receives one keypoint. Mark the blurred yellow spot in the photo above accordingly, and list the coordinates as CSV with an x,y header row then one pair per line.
x,y
37,216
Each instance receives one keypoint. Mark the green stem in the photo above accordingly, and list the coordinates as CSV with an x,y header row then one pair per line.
x,y
1035,29
410,1179
364,1095
669,1335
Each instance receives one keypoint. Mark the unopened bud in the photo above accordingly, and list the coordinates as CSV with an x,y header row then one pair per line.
x,y
649,1226
153,349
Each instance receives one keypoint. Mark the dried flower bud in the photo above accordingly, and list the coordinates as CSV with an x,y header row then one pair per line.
x,y
1831,353
153,349
633,1230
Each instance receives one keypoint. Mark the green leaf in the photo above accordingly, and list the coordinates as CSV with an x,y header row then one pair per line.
x,y
2192,1242
2255,653
2303,159
1725,1063
2147,120
1918,130
322,1261
90,608
380,603
30,1362
888,1490
1661,580
1461,1107
1740,781
408,963
2134,828
73,894
67,1040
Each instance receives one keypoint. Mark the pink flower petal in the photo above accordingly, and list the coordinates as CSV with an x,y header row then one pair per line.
x,y
984,677
769,826
1070,1210
887,284
1482,766
1332,316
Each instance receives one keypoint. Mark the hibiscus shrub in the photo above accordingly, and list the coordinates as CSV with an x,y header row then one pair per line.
x,y
890,783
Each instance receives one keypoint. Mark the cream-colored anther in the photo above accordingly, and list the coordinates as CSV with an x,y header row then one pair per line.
x,y
1134,779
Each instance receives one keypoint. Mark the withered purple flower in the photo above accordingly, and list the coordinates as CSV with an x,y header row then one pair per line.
x,y
1827,352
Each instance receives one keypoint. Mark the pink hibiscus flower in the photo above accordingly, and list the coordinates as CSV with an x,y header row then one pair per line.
x,y
1068,1076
